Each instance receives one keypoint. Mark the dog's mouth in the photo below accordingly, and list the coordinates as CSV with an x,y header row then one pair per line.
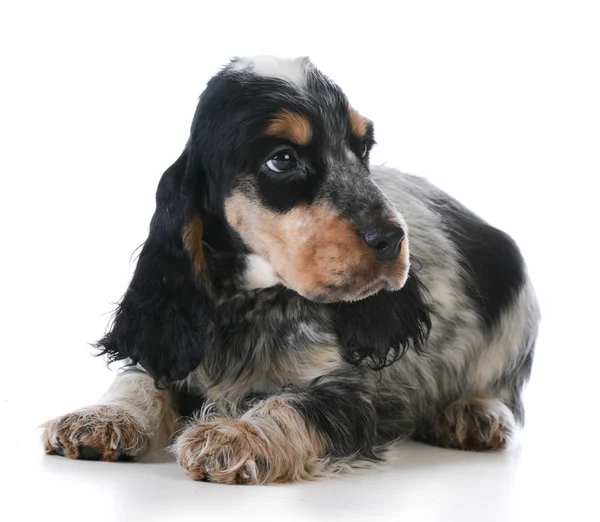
x,y
360,276
351,293
261,274
338,294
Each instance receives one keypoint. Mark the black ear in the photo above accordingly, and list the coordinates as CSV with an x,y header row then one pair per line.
x,y
382,327
163,321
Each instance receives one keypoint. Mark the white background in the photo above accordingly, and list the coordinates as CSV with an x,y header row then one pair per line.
x,y
496,102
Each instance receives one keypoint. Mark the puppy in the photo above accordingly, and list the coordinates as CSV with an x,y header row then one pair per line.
x,y
295,309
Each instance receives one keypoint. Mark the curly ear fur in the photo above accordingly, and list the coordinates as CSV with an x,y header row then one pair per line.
x,y
381,328
162,322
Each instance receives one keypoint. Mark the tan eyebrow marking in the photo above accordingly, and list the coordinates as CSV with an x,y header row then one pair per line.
x,y
290,126
358,123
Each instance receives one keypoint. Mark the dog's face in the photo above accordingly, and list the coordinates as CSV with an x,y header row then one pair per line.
x,y
273,187
285,159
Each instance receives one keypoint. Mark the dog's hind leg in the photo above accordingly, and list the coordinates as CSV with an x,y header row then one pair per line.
x,y
492,409
474,424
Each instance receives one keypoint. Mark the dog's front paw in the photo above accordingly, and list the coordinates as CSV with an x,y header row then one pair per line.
x,y
102,432
225,450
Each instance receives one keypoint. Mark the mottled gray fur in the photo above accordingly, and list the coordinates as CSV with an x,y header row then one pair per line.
x,y
265,337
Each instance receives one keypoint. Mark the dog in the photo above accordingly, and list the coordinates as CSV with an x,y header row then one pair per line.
x,y
295,310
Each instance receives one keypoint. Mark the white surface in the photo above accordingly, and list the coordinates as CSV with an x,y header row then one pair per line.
x,y
499,105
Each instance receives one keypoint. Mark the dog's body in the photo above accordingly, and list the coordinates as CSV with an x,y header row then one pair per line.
x,y
268,322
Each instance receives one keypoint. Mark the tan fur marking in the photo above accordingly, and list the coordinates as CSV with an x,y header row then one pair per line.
x,y
270,443
192,241
358,123
474,424
313,250
291,126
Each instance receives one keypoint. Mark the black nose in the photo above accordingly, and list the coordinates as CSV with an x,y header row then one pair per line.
x,y
384,242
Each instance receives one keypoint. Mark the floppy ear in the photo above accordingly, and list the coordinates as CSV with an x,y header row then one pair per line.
x,y
381,328
162,322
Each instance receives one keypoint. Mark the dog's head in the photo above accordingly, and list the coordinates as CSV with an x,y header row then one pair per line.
x,y
273,187
283,162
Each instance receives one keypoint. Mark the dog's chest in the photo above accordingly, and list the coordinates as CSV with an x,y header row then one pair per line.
x,y
265,342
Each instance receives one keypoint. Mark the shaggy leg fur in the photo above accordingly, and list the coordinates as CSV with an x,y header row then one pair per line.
x,y
270,443
132,418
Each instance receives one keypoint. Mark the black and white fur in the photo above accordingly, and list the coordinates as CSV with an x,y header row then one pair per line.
x,y
251,375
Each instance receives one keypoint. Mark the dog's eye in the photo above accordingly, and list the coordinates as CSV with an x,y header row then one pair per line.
x,y
365,150
281,161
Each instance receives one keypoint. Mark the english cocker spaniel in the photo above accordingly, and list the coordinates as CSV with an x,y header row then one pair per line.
x,y
295,310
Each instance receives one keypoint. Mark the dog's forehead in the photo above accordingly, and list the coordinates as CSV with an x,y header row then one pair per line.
x,y
305,88
295,71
